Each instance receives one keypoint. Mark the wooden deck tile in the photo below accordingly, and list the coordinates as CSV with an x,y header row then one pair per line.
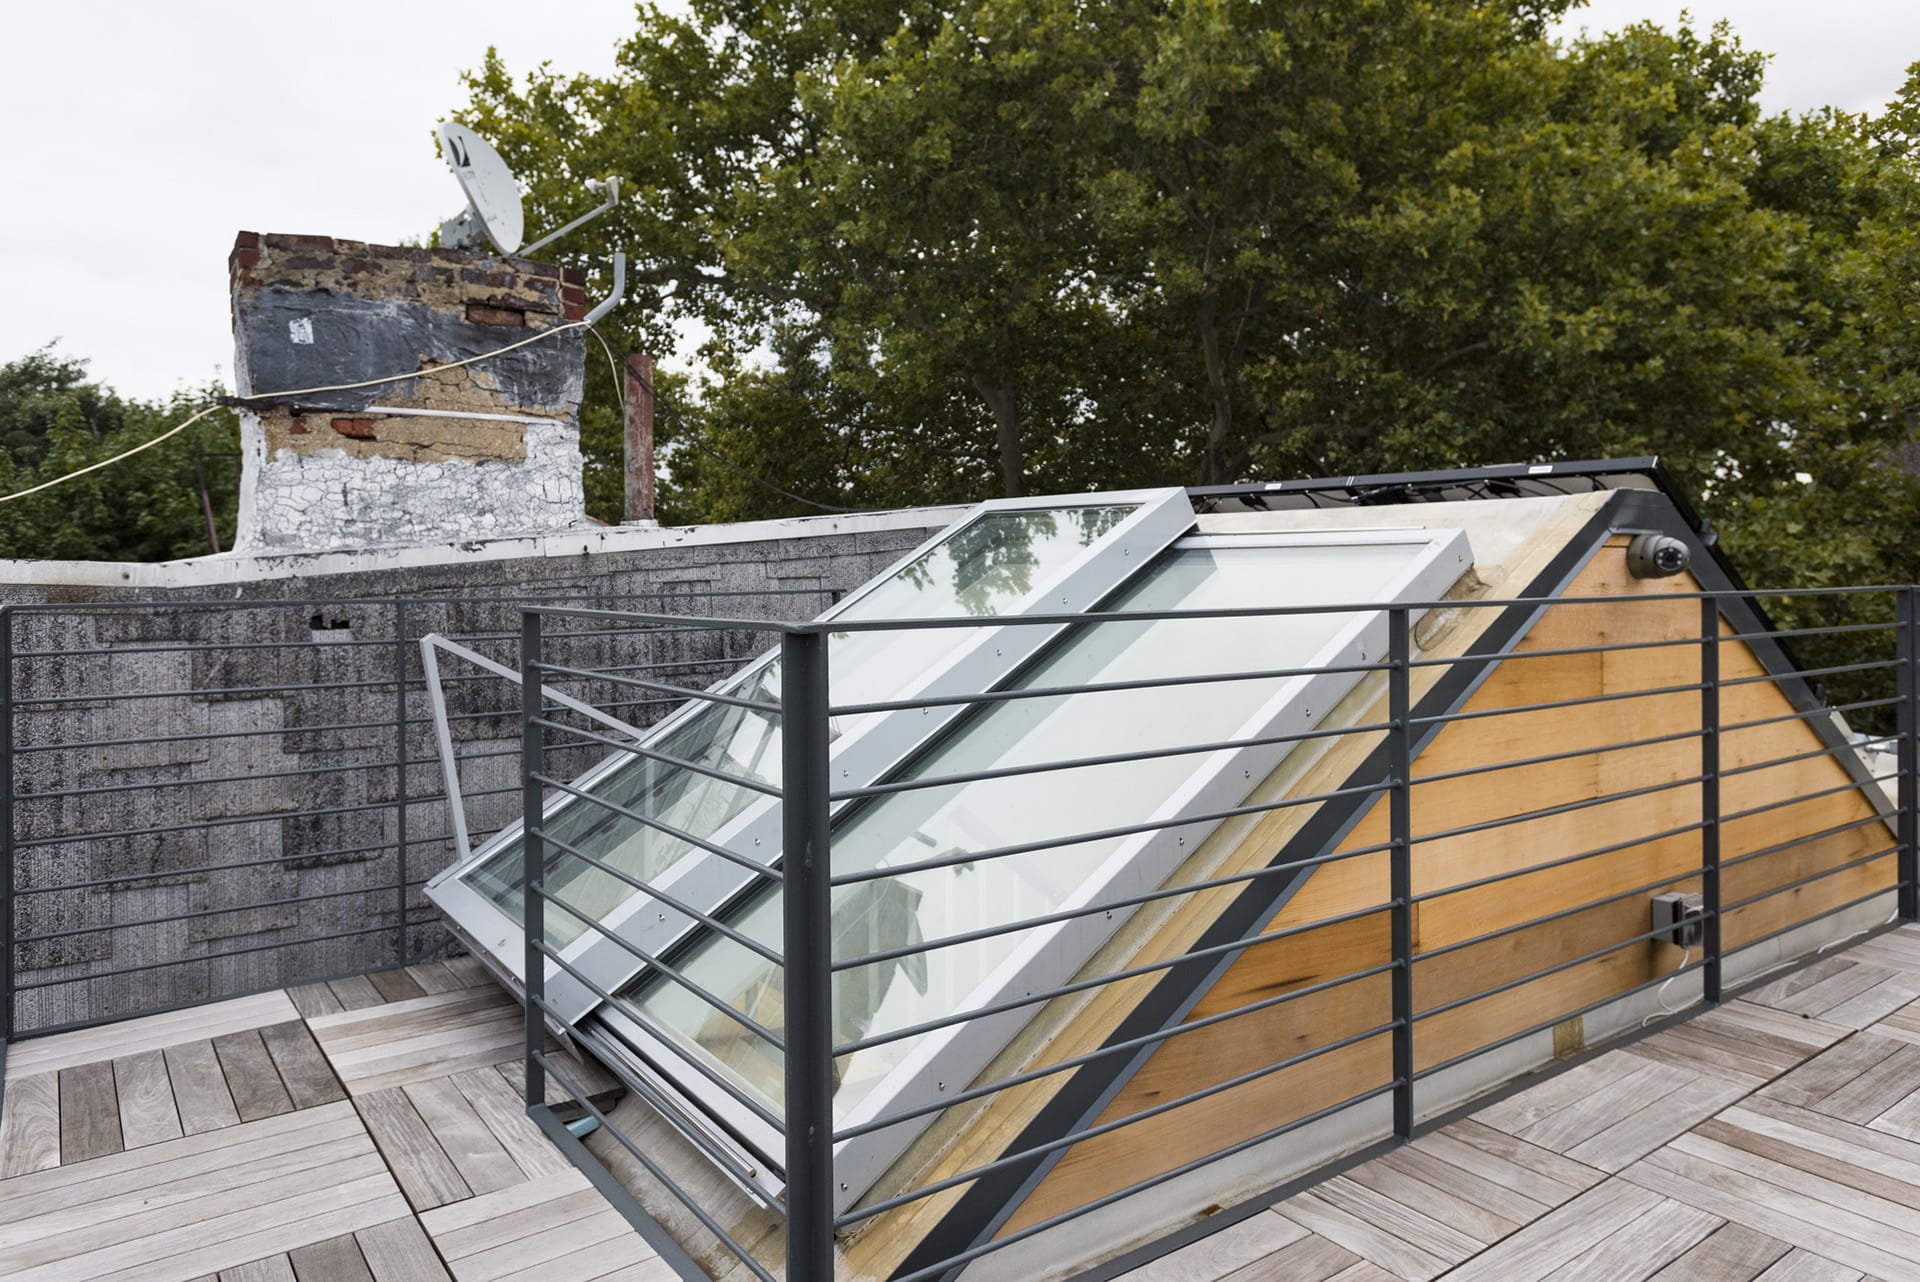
x,y
434,977
1642,1247
555,1227
275,1268
1877,1089
1804,1266
1362,1236
255,1083
506,1116
1512,1163
1640,1132
1233,1248
200,1088
377,1048
1435,1201
314,999
338,1259
398,1251
1310,1259
30,1125
356,993
425,1172
151,1032
198,1205
1618,1100
1830,1070
148,1114
1883,999
476,1153
303,1069
89,1112
1735,1253
1561,1236
469,970
395,985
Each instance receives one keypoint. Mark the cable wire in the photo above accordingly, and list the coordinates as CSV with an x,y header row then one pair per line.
x,y
301,391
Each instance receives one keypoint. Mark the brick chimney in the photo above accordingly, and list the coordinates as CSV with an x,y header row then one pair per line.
x,y
456,453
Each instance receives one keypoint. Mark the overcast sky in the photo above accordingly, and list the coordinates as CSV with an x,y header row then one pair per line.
x,y
142,134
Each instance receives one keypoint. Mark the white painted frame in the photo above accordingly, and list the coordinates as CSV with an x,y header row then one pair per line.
x,y
979,660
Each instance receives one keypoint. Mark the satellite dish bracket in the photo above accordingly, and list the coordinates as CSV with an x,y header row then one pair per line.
x,y
612,189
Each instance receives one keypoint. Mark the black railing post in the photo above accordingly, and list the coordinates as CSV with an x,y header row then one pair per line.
x,y
1710,799
1400,861
1908,820
532,880
6,826
400,778
807,901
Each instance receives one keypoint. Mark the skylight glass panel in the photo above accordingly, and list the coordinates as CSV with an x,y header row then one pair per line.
x,y
943,821
985,567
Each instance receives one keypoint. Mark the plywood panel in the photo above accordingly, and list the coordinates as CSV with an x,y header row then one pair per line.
x,y
1439,805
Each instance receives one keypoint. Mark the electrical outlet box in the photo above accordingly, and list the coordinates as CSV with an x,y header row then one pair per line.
x,y
1680,919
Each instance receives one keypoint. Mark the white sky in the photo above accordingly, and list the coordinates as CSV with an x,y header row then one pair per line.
x,y
142,134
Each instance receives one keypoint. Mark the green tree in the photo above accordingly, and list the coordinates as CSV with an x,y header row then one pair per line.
x,y
55,420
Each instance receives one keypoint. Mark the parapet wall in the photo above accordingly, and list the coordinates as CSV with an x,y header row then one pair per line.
x,y
207,778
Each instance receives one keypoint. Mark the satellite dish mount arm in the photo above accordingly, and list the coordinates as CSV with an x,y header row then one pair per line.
x,y
612,189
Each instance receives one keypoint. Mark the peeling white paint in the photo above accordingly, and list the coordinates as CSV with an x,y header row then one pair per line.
x,y
301,331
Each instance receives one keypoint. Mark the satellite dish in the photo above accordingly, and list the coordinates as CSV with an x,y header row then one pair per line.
x,y
493,197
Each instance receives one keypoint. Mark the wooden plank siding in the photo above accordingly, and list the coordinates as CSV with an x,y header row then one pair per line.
x,y
1448,917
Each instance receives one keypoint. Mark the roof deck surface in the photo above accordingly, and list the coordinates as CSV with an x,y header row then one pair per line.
x,y
1776,1138
370,1130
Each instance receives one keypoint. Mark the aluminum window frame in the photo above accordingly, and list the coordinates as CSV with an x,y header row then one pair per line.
x,y
864,755
1051,955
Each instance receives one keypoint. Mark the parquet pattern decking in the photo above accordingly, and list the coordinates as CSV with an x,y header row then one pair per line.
x,y
366,1130
1776,1139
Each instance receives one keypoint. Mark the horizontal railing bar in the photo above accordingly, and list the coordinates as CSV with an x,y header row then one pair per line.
x,y
683,693
653,892
1609,849
1809,714
202,647
665,665
231,952
1808,673
153,785
1104,906
1107,1128
1096,687
637,749
653,963
1085,985
1549,757
1617,696
383,888
199,825
1141,1186
1535,976
711,1074
1801,840
1551,812
217,692
1110,759
1558,652
1810,878
1533,1030
1099,834
1838,754
1544,919
702,623
144,740
1765,807
1754,981
659,1174
1139,1042
661,825
1837,629
172,873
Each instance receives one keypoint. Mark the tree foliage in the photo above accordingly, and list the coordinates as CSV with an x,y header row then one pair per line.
x,y
943,252
55,420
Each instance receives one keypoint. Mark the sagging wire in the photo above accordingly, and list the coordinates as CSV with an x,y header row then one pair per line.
x,y
298,391
1666,1011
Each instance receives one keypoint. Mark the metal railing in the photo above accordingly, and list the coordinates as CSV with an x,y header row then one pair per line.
x,y
1860,647
204,799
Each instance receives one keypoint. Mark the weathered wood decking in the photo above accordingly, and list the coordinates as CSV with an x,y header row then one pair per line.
x,y
1775,1138
368,1130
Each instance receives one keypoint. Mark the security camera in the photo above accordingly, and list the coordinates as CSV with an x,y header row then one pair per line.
x,y
1656,556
